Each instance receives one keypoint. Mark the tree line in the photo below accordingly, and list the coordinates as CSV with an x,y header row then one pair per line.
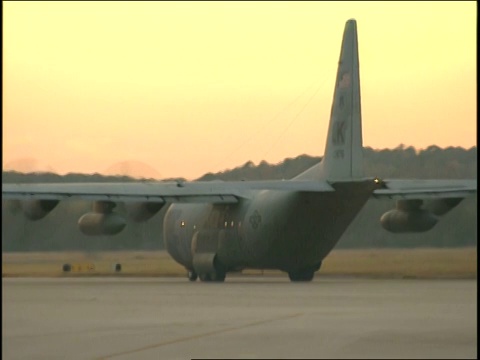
x,y
59,231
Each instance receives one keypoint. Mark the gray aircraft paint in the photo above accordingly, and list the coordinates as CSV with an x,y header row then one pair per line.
x,y
343,156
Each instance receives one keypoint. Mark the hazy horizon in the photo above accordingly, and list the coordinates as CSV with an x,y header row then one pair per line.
x,y
142,170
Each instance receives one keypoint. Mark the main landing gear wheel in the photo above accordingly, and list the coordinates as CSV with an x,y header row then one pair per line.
x,y
303,275
192,275
217,276
204,277
209,268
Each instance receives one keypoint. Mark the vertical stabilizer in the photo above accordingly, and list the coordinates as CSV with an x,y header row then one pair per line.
x,y
343,157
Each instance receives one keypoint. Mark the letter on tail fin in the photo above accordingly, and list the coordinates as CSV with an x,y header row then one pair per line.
x,y
343,157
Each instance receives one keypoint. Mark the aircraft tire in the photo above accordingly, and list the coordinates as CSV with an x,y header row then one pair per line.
x,y
218,276
192,275
303,275
204,277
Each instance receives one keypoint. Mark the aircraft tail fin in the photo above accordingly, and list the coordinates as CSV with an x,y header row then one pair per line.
x,y
343,156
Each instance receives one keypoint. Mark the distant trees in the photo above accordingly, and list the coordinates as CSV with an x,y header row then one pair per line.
x,y
58,231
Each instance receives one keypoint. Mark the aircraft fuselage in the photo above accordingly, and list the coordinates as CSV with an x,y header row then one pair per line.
x,y
290,231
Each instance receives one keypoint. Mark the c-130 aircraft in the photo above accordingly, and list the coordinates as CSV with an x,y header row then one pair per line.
x,y
212,228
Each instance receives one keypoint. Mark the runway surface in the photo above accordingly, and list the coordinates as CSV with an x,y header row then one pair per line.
x,y
245,317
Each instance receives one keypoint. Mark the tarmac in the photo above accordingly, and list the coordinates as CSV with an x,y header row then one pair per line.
x,y
249,317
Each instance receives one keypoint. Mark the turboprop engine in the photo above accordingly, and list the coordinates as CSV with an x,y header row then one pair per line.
x,y
142,211
102,221
408,217
37,209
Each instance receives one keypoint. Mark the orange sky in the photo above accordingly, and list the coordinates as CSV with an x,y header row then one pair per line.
x,y
196,87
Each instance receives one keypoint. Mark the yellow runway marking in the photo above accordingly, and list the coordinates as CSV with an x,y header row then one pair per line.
x,y
198,336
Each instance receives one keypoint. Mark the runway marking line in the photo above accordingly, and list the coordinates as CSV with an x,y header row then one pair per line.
x,y
199,336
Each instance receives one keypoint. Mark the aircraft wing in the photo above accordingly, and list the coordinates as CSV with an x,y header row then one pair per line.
x,y
190,192
224,192
425,189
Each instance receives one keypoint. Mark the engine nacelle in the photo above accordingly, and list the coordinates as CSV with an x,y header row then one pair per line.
x,y
94,224
142,211
441,206
398,221
37,209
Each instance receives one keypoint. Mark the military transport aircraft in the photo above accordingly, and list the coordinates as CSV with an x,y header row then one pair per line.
x,y
213,228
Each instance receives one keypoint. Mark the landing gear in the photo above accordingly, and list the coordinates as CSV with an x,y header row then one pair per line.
x,y
217,276
192,275
204,277
211,269
304,274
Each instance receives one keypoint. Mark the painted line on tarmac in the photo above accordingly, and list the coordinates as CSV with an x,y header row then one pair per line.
x,y
199,336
